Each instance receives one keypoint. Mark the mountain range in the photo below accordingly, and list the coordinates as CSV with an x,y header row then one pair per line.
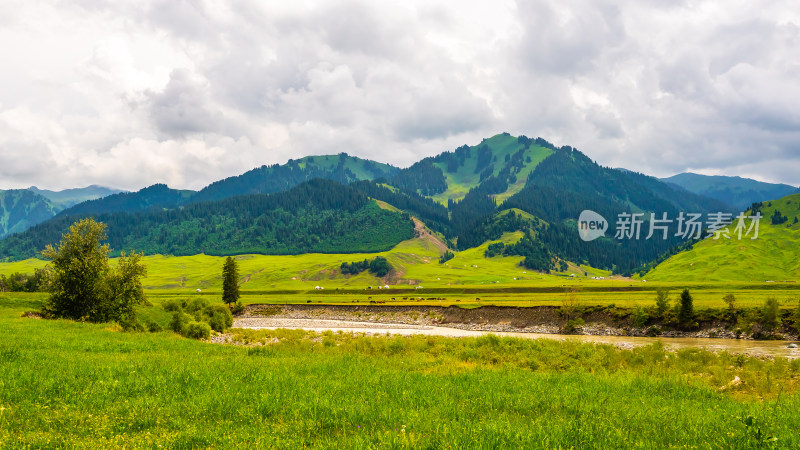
x,y
22,208
466,196
735,191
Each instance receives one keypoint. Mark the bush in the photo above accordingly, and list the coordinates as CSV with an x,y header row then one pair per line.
x,y
770,314
172,305
196,305
640,317
572,325
179,322
130,323
198,330
154,327
238,308
653,332
218,317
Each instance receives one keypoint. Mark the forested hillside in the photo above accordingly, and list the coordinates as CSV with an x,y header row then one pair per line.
x,y
319,216
268,179
463,195
157,196
451,175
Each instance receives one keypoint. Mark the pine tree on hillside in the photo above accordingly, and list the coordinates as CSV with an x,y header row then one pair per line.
x,y
230,281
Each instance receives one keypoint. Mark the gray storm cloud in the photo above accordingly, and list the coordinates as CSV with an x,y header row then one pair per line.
x,y
129,94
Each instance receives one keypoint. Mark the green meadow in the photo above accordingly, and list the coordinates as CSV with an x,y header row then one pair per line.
x,y
76,385
469,279
772,256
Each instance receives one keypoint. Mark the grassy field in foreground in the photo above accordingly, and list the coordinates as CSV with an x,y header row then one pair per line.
x,y
66,384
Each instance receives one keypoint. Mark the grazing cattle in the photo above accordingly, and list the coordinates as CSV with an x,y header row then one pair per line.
x,y
372,302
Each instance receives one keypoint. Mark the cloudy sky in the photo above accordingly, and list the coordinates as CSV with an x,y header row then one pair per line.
x,y
126,94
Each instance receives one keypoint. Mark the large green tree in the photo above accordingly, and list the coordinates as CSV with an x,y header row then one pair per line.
x,y
230,281
81,282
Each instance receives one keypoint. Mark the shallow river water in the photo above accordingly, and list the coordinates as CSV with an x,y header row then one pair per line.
x,y
750,347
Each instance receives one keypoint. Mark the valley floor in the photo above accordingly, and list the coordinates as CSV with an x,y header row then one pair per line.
x,y
77,385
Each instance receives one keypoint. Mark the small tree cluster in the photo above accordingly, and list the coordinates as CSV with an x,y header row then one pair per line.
x,y
448,255
23,282
378,267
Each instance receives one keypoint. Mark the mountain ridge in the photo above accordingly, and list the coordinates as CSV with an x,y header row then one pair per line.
x,y
738,191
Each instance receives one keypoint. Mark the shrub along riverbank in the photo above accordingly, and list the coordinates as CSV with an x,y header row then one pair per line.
x,y
65,384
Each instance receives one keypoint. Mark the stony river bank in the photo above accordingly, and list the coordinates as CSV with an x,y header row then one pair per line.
x,y
539,319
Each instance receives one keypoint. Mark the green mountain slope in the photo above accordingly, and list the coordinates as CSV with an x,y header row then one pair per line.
x,y
21,209
450,175
736,191
775,255
515,156
461,196
268,179
558,189
319,216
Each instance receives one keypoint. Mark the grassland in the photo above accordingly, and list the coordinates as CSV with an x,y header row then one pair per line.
x,y
66,384
469,279
773,256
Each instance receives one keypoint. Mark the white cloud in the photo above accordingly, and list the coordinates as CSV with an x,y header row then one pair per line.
x,y
128,94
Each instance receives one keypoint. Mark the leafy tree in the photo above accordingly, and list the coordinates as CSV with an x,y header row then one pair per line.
x,y
770,314
83,286
730,300
230,281
662,300
686,311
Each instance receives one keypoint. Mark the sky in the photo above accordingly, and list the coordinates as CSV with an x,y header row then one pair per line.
x,y
126,94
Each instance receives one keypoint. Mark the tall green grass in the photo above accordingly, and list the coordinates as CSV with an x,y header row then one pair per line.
x,y
66,384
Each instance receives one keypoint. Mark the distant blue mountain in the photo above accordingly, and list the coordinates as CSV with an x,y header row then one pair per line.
x,y
735,191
